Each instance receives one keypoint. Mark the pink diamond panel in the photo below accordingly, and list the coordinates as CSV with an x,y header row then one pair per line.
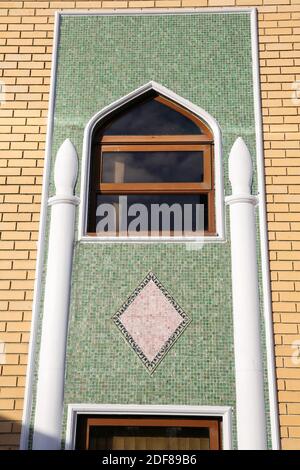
x,y
151,320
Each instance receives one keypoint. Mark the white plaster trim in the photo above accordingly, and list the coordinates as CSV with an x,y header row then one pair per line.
x,y
208,239
86,155
74,200
40,248
155,11
264,247
224,412
238,198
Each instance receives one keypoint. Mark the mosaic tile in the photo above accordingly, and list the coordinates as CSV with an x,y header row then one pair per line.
x,y
205,58
151,321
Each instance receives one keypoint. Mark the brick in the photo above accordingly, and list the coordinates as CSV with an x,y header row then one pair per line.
x,y
12,392
16,347
289,317
37,4
293,275
5,427
292,255
5,265
4,285
3,307
284,307
14,370
25,265
20,305
194,3
8,381
87,4
7,226
19,404
294,409
10,439
167,3
283,350
285,328
25,337
15,295
216,3
21,27
18,326
292,385
294,431
11,4
11,316
293,397
62,4
21,382
114,4
10,337
6,245
288,373
6,404
290,444
26,245
17,217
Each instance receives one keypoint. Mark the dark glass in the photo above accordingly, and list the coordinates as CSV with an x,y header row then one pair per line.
x,y
190,214
152,167
148,438
151,117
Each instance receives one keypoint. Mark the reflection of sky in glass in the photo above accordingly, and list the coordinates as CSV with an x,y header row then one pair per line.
x,y
148,199
151,118
153,167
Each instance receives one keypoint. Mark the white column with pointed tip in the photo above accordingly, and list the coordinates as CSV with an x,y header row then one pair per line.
x,y
250,405
51,374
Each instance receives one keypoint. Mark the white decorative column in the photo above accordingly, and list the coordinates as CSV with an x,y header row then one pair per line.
x,y
250,406
51,375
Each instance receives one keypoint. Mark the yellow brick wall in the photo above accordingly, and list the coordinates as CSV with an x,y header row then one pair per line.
x,y
26,31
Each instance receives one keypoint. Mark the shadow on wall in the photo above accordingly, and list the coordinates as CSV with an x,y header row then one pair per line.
x,y
10,433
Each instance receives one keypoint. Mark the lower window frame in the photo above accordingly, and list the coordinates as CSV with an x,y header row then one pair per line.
x,y
224,413
214,426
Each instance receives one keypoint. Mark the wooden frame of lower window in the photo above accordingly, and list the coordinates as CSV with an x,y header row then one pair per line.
x,y
214,426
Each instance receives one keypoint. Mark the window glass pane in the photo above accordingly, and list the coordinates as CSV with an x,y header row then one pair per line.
x,y
148,438
144,214
151,117
152,167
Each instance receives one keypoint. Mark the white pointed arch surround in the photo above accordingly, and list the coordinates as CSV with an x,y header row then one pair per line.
x,y
218,167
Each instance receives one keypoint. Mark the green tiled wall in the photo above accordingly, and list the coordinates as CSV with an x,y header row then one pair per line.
x,y
205,58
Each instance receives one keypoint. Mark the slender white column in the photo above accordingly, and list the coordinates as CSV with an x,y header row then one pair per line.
x,y
51,375
250,406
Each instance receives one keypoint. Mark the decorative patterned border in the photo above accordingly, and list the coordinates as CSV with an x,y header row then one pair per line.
x,y
151,365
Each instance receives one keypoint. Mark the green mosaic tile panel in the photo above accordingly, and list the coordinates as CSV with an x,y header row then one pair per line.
x,y
205,58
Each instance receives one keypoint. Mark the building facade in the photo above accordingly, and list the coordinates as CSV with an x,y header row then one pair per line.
x,y
100,331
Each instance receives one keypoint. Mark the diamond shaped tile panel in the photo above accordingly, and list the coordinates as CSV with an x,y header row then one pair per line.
x,y
151,321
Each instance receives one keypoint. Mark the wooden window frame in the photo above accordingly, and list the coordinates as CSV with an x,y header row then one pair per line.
x,y
159,188
213,424
149,143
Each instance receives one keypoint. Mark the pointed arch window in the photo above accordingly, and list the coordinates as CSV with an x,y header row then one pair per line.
x,y
154,152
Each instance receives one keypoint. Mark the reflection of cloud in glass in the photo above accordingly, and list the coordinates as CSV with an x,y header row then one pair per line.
x,y
151,118
154,167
